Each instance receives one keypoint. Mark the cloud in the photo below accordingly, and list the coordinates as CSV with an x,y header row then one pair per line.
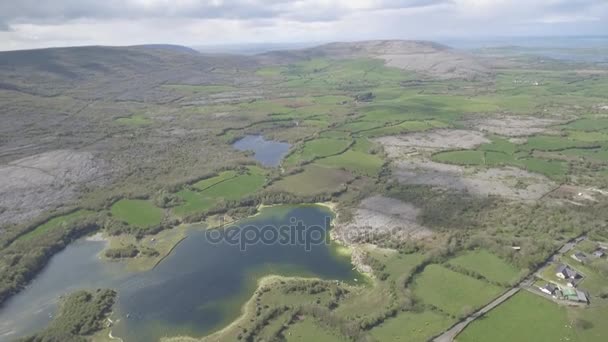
x,y
35,11
35,23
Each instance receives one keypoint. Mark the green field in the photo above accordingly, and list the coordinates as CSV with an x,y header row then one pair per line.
x,y
553,143
501,152
488,265
228,185
412,326
313,180
238,187
453,292
139,213
208,182
307,330
318,148
524,317
588,125
354,161
404,127
193,202
54,223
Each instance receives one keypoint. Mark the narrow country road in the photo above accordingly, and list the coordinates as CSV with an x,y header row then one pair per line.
x,y
450,334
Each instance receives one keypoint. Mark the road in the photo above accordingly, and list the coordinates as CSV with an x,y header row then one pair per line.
x,y
449,335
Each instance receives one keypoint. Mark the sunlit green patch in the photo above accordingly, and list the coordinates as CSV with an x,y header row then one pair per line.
x,y
451,291
317,148
193,202
551,168
208,182
139,213
307,330
552,143
500,145
56,223
597,154
358,126
404,127
587,125
488,265
238,187
313,180
588,136
535,319
412,326
463,157
358,159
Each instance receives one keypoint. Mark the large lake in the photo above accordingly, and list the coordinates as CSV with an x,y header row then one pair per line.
x,y
267,152
200,287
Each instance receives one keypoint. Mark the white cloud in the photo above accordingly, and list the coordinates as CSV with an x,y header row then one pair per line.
x,y
35,23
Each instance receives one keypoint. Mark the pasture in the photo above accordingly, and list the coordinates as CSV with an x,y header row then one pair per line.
x,y
488,265
138,213
453,292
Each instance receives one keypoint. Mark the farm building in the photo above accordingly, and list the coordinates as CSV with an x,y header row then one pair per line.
x,y
578,256
565,272
549,289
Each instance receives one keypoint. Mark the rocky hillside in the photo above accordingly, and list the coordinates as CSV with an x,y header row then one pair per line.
x,y
427,58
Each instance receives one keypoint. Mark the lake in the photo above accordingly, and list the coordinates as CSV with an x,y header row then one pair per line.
x,y
267,152
199,288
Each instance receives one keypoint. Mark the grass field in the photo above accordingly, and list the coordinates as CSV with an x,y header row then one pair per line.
x,y
524,317
55,223
405,127
452,292
313,180
501,152
588,124
488,265
553,143
412,326
307,330
238,187
140,213
208,182
228,185
318,148
193,202
356,161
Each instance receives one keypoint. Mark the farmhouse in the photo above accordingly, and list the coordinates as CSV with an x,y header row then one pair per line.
x,y
549,289
565,272
578,256
599,253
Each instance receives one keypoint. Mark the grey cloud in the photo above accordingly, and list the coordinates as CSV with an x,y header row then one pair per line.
x,y
58,11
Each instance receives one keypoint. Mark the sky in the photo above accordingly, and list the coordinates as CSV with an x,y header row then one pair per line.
x,y
26,24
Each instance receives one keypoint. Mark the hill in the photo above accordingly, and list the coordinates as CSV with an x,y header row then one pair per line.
x,y
427,58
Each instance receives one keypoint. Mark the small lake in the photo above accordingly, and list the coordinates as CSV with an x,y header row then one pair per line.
x,y
199,288
267,152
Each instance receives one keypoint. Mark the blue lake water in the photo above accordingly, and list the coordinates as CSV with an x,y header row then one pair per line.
x,y
267,152
200,287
